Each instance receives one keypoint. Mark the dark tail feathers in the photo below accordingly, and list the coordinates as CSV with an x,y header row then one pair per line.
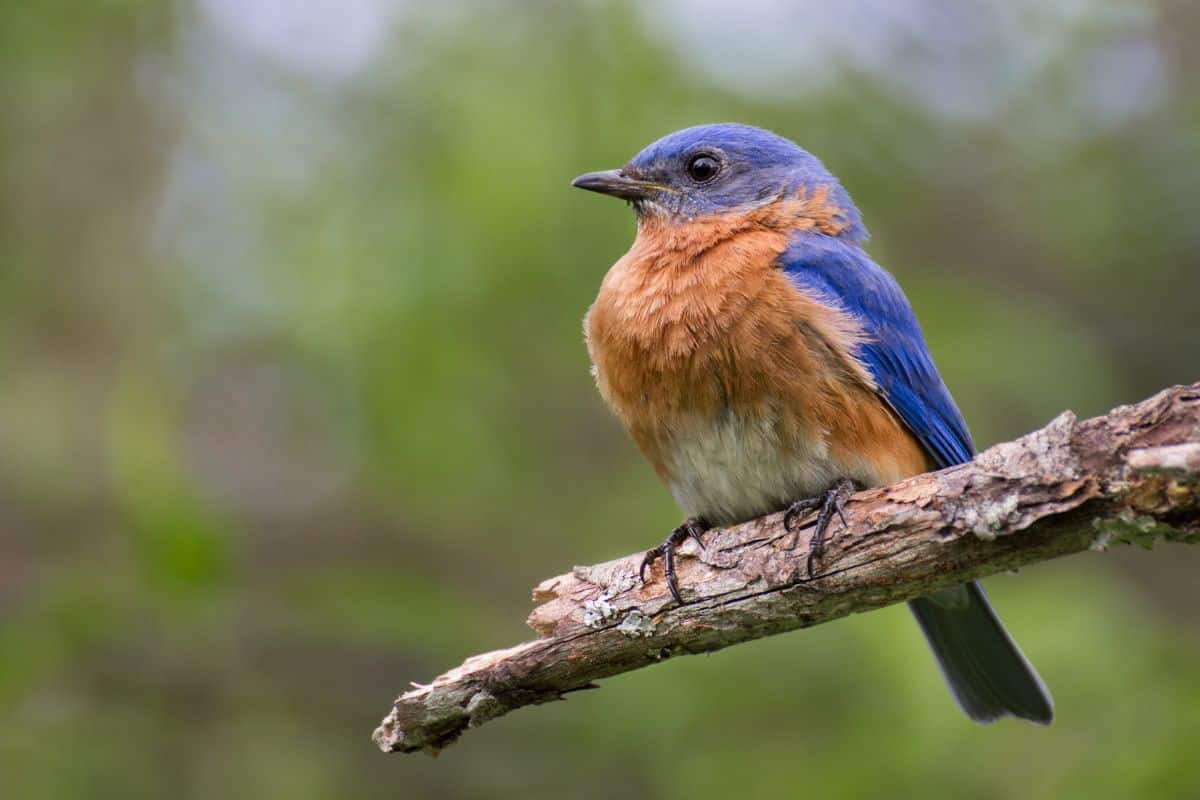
x,y
984,668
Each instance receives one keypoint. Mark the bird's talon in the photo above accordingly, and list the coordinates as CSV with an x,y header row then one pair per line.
x,y
690,529
799,509
833,501
648,560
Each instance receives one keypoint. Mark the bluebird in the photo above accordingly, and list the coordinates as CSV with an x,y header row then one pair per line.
x,y
762,362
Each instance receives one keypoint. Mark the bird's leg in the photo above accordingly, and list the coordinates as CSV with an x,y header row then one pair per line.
x,y
833,501
691,528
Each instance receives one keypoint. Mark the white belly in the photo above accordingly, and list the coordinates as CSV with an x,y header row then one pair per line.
x,y
736,468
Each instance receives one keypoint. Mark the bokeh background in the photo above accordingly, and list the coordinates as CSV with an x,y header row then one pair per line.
x,y
294,404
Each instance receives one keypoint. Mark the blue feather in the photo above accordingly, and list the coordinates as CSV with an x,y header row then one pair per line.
x,y
841,274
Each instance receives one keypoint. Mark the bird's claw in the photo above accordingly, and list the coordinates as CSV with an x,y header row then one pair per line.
x,y
833,501
691,528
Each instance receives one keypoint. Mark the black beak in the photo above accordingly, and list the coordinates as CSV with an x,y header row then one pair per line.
x,y
616,183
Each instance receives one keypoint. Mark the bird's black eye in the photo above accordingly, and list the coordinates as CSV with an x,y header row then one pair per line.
x,y
703,168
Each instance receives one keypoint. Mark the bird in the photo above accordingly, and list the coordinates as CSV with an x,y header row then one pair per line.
x,y
763,362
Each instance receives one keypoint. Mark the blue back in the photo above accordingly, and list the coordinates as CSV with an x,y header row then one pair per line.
x,y
842,275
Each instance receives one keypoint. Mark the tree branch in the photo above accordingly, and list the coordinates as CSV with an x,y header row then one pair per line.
x,y
1129,476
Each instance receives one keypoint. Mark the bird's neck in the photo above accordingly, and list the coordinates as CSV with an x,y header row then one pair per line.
x,y
683,283
800,211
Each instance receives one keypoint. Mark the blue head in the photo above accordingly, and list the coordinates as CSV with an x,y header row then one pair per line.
x,y
713,170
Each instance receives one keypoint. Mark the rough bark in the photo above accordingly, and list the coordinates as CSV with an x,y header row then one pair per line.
x,y
1130,476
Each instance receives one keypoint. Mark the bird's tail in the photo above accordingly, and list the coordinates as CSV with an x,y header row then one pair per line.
x,y
986,672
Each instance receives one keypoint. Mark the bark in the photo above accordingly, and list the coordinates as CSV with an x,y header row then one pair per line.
x,y
1130,476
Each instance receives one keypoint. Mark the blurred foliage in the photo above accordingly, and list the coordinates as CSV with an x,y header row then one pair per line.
x,y
295,404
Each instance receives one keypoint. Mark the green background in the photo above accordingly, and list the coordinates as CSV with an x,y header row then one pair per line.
x,y
294,404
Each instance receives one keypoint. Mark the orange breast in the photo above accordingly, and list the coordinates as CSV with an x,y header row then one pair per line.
x,y
743,393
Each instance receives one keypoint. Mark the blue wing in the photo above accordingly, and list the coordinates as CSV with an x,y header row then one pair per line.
x,y
841,274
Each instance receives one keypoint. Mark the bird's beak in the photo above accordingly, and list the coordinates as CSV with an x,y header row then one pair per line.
x,y
616,183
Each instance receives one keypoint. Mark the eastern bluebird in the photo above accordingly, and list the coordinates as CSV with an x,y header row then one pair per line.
x,y
756,354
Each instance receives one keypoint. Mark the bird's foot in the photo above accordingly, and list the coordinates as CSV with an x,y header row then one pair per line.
x,y
833,501
690,528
